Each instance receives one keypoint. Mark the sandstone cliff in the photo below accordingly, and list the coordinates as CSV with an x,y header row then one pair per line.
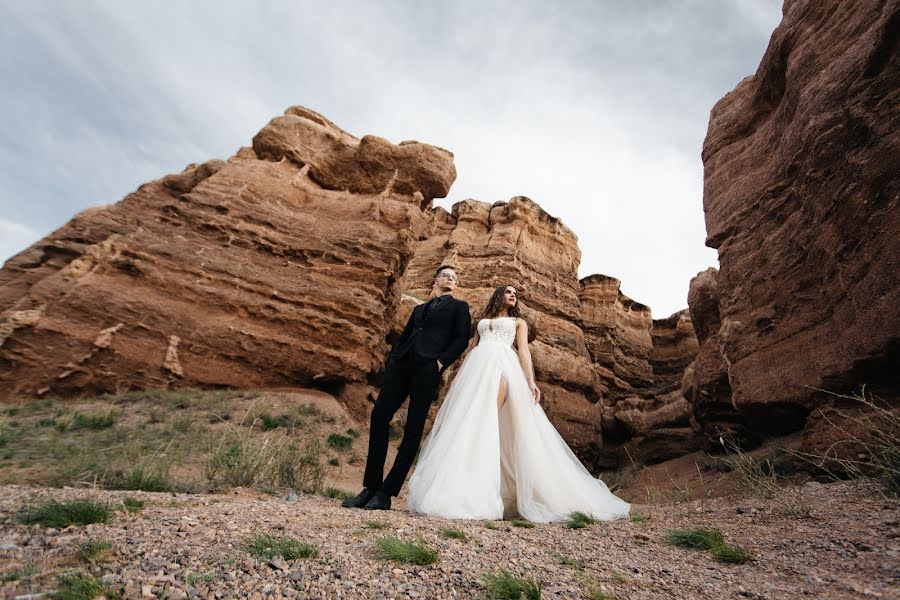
x,y
802,201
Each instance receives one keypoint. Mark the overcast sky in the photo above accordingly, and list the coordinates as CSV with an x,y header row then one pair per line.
x,y
595,109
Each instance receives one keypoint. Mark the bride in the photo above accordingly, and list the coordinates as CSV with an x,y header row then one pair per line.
x,y
492,451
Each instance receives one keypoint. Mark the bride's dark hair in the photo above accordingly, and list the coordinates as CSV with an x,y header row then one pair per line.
x,y
495,304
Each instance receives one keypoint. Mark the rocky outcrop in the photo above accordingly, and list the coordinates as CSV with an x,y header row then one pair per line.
x,y
639,362
802,201
244,273
520,244
297,261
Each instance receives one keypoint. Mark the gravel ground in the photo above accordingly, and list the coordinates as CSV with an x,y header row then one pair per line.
x,y
191,546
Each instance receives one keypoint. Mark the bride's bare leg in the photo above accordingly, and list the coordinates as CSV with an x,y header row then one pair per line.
x,y
501,393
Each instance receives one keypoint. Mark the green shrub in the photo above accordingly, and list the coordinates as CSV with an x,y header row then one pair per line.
x,y
414,553
263,545
455,534
521,523
52,513
339,442
81,586
578,520
698,538
503,585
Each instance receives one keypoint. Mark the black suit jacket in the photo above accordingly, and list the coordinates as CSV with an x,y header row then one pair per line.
x,y
443,335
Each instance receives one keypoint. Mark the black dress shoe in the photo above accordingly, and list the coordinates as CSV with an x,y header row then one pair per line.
x,y
380,501
360,500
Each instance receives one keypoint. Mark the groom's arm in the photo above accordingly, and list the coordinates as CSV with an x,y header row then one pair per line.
x,y
462,331
407,331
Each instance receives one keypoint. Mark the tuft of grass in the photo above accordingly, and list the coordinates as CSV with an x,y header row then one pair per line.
x,y
100,420
521,523
339,442
569,562
595,592
455,534
192,579
353,433
52,513
698,538
339,494
276,460
490,525
375,525
757,476
578,520
143,478
413,553
732,554
263,545
620,577
81,586
95,551
132,505
638,518
17,575
503,585
334,462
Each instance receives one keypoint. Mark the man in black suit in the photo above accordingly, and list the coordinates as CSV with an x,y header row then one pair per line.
x,y
435,335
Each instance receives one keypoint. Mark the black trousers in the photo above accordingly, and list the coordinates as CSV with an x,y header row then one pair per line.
x,y
419,381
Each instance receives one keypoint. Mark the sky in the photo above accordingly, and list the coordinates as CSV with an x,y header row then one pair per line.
x,y
595,109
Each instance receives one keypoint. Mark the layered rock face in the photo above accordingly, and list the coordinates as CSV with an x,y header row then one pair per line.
x,y
297,261
639,362
802,201
276,267
518,243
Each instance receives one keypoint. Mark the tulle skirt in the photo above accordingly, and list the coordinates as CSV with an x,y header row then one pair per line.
x,y
480,464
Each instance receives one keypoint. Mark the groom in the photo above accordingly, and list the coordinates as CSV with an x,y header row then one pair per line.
x,y
435,335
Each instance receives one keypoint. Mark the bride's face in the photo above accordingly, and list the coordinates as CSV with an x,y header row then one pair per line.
x,y
510,296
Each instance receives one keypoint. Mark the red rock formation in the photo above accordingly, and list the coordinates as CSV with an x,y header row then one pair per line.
x,y
293,262
517,242
245,273
802,201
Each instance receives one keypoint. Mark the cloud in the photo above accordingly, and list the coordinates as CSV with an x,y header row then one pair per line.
x,y
596,110
15,237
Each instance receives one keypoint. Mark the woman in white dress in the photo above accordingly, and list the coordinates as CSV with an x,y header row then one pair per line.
x,y
492,451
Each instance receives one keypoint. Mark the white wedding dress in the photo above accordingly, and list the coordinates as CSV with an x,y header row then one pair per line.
x,y
481,464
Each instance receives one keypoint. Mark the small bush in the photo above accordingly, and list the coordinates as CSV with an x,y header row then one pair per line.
x,y
732,554
757,476
521,523
143,478
339,442
698,538
81,586
192,579
503,585
95,551
578,520
638,518
52,513
101,420
875,430
17,575
334,462
375,525
490,525
266,546
414,553
569,562
339,494
455,534
132,505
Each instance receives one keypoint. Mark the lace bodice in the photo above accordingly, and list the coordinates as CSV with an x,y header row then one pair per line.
x,y
501,330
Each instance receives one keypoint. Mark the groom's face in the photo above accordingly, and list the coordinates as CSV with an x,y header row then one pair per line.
x,y
447,278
